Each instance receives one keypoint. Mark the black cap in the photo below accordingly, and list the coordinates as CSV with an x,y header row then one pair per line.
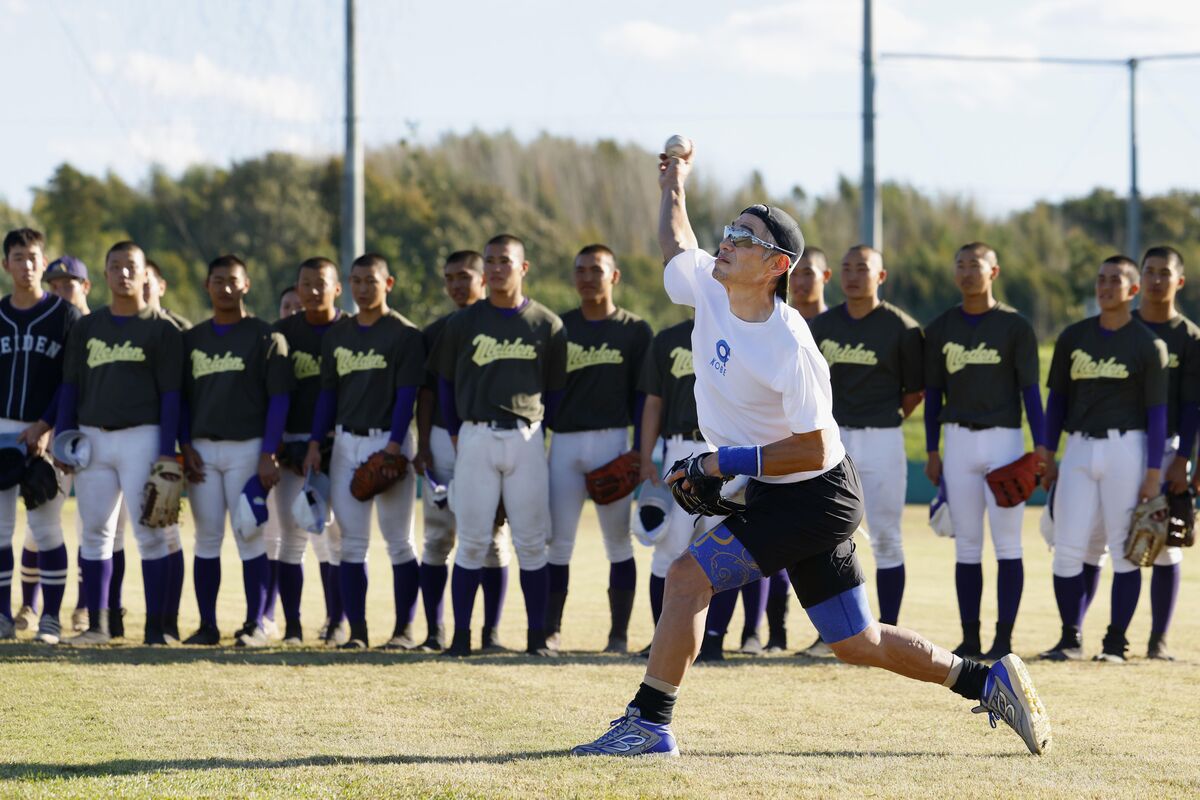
x,y
783,229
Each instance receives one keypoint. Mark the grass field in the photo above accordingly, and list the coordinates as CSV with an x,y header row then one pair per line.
x,y
133,722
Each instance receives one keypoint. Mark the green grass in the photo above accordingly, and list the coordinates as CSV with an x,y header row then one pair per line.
x,y
131,722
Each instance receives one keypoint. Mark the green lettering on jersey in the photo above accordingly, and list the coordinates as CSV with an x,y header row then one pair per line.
x,y
847,354
488,350
959,357
681,363
100,353
1085,368
204,364
348,361
305,365
580,358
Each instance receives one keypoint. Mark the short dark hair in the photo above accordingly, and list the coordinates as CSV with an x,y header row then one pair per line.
x,y
154,266
500,240
1173,256
598,249
227,261
986,248
371,261
23,237
1127,265
317,263
816,254
286,291
470,259
124,246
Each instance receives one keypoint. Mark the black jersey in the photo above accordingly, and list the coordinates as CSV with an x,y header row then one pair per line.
x,y
32,345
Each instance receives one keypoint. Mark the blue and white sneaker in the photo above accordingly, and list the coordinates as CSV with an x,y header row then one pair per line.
x,y
631,735
1008,695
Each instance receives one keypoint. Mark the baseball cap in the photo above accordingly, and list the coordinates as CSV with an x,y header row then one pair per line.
x,y
653,505
251,512
66,267
783,229
12,460
310,509
438,491
71,447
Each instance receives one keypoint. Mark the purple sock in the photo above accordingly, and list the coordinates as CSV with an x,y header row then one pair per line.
x,y
433,593
968,581
1125,590
272,589
1010,581
29,588
535,585
754,604
720,611
889,583
52,564
333,595
560,575
6,571
1069,594
780,584
154,582
495,587
1091,585
406,582
354,591
97,576
1164,591
463,585
657,587
206,575
291,588
118,579
622,575
175,573
323,569
256,574
81,597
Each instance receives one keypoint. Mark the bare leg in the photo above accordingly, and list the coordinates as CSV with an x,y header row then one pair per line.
x,y
680,629
897,650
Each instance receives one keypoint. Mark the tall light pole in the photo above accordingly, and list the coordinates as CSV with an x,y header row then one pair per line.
x,y
871,222
353,224
1133,208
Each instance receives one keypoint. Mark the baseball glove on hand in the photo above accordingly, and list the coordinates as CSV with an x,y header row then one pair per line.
x,y
1148,531
614,480
162,495
377,474
703,495
1181,530
1013,483
39,484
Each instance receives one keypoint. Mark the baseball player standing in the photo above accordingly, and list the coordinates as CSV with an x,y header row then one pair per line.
x,y
981,357
806,284
605,348
318,288
290,302
1109,383
238,377
33,333
371,367
875,357
463,276
501,367
155,289
764,399
121,381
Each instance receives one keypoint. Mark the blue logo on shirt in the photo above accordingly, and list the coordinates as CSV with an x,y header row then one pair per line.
x,y
722,358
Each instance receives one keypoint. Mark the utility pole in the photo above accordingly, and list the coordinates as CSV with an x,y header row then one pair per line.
x,y
353,225
871,222
1133,208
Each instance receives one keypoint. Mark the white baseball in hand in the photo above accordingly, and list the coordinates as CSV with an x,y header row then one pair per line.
x,y
678,147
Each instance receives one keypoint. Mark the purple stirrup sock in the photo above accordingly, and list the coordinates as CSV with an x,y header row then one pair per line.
x,y
463,585
968,581
780,584
97,575
1069,594
333,597
754,604
353,578
1164,591
1010,581
495,587
433,592
405,584
175,569
154,582
118,579
6,571
622,575
657,587
272,589
29,588
256,575
1091,585
52,564
206,575
560,575
291,589
889,583
720,611
535,585
1125,590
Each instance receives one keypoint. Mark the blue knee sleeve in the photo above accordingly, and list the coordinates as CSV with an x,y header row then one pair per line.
x,y
724,560
842,616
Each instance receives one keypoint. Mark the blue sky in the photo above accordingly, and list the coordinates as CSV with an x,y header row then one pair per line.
x,y
770,86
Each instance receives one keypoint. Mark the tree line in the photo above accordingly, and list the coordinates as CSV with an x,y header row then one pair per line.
x,y
426,201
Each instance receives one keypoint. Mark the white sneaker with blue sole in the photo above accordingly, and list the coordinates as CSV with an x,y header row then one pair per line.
x,y
1009,695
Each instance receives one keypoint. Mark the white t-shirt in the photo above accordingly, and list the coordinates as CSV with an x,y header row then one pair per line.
x,y
756,382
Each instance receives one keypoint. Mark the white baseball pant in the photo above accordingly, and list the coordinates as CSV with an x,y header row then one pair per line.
x,y
501,464
227,467
119,466
396,505
682,527
292,539
970,455
440,531
882,464
1098,484
45,521
573,455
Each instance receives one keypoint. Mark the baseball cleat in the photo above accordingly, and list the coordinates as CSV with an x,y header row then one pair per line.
x,y
617,644
335,635
171,630
1009,695
26,619
631,735
7,629
536,645
751,646
1002,644
293,634
324,629
154,636
402,639
1157,648
1113,648
712,649
252,636
490,643
818,649
1069,647
435,642
49,631
460,645
116,622
79,619
353,644
270,628
204,635
92,636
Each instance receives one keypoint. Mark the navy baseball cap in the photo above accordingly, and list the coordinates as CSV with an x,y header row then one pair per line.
x,y
66,267
783,229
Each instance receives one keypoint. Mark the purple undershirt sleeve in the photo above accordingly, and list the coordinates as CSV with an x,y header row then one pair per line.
x,y
1189,423
553,401
169,406
185,423
65,418
277,412
1156,435
933,422
402,413
445,396
324,414
1033,412
51,412
1056,415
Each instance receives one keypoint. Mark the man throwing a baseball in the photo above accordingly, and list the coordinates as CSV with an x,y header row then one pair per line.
x,y
763,398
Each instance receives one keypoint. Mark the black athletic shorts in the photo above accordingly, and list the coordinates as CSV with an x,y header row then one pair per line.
x,y
807,528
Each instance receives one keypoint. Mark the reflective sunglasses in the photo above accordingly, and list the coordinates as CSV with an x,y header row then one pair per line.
x,y
740,237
